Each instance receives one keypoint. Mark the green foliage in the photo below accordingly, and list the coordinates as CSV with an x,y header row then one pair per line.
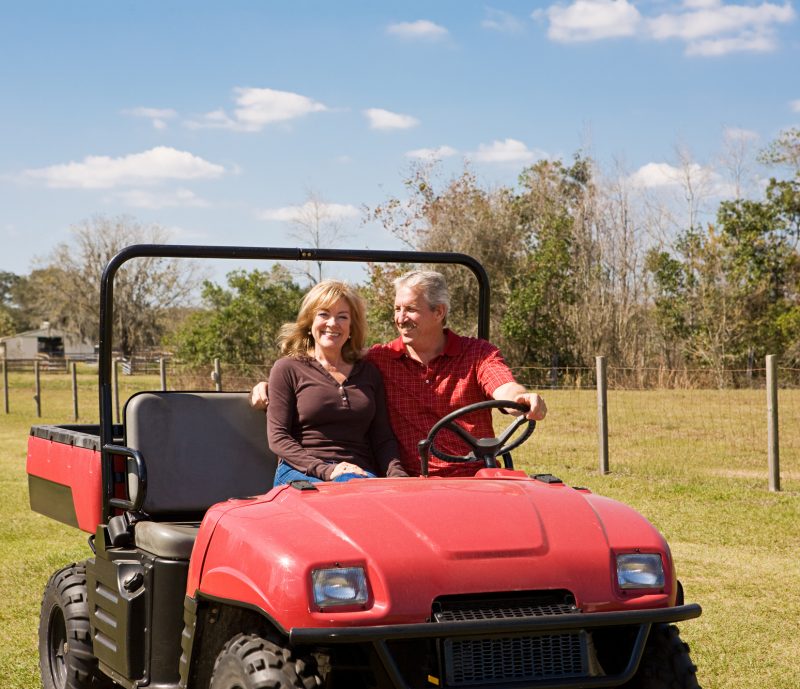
x,y
544,286
379,296
13,317
7,326
459,216
730,293
240,324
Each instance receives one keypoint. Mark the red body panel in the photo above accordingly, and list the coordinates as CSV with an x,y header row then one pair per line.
x,y
420,539
75,467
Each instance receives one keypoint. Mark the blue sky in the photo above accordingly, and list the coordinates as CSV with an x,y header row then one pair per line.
x,y
218,120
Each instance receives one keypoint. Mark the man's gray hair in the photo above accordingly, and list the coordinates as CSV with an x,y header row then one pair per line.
x,y
430,283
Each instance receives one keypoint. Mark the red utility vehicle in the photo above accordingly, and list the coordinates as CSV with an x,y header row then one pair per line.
x,y
203,575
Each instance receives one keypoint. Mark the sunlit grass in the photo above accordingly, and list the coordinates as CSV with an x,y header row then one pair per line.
x,y
693,462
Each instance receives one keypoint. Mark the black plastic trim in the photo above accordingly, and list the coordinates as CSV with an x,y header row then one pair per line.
x,y
241,253
52,499
200,596
141,477
432,630
379,636
78,435
546,478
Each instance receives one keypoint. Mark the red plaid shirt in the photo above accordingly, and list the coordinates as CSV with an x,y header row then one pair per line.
x,y
469,370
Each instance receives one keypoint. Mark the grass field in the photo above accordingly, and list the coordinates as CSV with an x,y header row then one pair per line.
x,y
693,462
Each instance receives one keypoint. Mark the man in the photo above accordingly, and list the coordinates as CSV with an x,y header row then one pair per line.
x,y
429,371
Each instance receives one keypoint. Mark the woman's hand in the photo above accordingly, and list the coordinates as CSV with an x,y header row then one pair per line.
x,y
346,468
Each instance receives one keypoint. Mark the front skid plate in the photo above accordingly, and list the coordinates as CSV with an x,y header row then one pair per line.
x,y
380,635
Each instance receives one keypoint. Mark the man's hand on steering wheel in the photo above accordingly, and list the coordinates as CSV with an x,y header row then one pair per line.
x,y
485,450
537,409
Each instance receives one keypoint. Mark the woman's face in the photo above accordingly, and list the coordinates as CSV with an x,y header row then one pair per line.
x,y
331,327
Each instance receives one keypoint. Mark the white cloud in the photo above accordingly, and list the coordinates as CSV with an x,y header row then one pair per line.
x,y
384,119
506,151
656,175
503,22
155,166
663,178
707,27
711,19
258,107
157,116
328,211
438,153
181,198
713,28
421,29
591,20
739,134
795,105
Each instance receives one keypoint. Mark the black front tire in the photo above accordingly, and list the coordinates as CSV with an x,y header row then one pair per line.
x,y
66,658
249,662
666,663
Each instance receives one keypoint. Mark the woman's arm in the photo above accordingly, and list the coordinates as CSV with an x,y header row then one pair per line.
x,y
281,417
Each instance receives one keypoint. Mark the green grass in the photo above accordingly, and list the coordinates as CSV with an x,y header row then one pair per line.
x,y
693,462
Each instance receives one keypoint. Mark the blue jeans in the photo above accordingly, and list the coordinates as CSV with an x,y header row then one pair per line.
x,y
286,473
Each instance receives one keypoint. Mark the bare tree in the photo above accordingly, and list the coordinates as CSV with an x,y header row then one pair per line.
x,y
319,225
695,183
738,157
65,288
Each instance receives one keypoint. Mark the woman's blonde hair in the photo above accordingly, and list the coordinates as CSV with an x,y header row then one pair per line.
x,y
295,339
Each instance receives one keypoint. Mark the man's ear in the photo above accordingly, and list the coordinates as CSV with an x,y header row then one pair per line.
x,y
440,312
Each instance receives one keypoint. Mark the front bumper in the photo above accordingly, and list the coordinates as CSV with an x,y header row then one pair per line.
x,y
379,636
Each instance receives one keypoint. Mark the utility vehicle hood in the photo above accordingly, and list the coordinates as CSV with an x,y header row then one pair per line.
x,y
419,539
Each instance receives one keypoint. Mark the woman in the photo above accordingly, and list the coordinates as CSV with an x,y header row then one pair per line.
x,y
327,418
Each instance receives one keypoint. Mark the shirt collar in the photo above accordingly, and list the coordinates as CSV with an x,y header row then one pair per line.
x,y
452,345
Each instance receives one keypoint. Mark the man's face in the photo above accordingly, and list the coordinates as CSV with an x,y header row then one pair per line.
x,y
414,318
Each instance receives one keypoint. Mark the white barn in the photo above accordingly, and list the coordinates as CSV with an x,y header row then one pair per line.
x,y
45,341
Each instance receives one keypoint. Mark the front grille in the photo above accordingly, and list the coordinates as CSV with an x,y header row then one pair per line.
x,y
515,658
504,607
492,611
471,661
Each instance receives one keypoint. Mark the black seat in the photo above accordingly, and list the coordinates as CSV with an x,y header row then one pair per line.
x,y
199,448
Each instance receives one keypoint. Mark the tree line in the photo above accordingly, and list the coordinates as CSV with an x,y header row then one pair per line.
x,y
580,263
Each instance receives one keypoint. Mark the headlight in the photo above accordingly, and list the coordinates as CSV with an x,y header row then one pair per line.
x,y
339,586
640,571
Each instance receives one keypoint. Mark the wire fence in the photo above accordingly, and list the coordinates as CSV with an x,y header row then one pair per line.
x,y
686,414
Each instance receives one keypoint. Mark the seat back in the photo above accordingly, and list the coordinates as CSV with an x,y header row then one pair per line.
x,y
199,448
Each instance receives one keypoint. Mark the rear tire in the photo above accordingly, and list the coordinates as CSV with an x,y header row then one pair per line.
x,y
249,662
665,663
66,658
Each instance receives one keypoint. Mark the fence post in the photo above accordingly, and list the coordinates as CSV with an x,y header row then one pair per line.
x,y
5,385
773,447
74,371
37,395
115,385
162,371
602,414
216,376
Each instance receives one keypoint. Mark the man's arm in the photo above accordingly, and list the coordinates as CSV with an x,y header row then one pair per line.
x,y
258,396
515,392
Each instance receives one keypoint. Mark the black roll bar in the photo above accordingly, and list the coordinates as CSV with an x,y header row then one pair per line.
x,y
240,253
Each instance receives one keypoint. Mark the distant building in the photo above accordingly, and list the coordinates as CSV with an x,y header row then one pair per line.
x,y
44,342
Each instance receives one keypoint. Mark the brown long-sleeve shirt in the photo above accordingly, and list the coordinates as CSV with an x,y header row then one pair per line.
x,y
313,422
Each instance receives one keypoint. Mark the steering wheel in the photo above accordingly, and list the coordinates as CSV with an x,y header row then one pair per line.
x,y
485,450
